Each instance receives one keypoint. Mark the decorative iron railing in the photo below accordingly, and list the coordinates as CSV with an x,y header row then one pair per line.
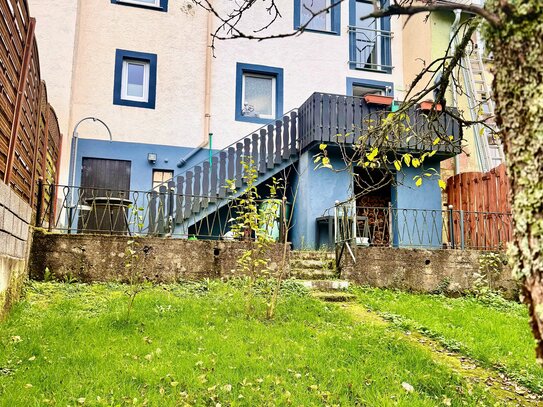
x,y
370,49
420,228
148,213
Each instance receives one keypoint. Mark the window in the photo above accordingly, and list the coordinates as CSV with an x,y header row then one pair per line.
x,y
161,5
258,96
135,79
161,176
326,22
259,93
363,87
370,39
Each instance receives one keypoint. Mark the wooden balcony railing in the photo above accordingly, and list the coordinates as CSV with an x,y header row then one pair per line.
x,y
324,116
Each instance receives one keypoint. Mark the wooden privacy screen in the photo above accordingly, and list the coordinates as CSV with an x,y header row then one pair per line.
x,y
483,201
30,138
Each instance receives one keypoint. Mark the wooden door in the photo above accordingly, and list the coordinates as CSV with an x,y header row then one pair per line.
x,y
103,174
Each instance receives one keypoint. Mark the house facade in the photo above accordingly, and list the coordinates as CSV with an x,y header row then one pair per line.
x,y
145,69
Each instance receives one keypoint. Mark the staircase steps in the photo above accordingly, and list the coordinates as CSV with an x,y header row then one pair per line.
x,y
334,296
316,271
312,265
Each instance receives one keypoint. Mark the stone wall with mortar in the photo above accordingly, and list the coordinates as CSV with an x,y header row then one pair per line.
x,y
449,271
88,258
15,216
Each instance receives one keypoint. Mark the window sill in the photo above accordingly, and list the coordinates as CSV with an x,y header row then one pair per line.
x,y
163,5
315,31
257,120
132,103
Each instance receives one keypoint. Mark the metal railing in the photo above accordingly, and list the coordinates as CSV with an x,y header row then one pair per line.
x,y
370,48
420,228
145,213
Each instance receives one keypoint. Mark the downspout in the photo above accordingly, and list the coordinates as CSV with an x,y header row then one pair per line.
x,y
454,26
207,136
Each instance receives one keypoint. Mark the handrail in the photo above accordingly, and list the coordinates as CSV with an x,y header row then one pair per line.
x,y
165,183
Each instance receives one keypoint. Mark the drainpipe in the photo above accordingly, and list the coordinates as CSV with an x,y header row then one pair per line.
x,y
206,137
454,26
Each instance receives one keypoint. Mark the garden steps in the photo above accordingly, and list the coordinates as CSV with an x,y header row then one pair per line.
x,y
316,271
333,296
312,265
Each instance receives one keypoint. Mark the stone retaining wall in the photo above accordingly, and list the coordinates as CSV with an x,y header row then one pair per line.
x,y
449,271
87,258
15,216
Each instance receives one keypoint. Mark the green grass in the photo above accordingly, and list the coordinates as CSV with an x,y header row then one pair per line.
x,y
495,331
70,344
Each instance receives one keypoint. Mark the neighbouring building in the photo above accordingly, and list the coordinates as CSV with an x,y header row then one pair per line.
x,y
145,69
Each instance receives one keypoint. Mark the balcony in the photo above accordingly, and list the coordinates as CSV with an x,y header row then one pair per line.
x,y
344,119
370,49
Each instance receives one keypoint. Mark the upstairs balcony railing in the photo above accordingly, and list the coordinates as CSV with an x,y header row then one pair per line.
x,y
345,119
370,49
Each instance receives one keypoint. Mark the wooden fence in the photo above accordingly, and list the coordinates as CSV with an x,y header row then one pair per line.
x,y
30,139
487,196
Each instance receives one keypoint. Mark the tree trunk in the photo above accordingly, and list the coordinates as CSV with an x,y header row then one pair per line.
x,y
517,46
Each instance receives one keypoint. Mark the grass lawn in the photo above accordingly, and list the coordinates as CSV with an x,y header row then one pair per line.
x,y
192,344
495,332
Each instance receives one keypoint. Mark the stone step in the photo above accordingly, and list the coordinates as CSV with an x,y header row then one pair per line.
x,y
312,255
312,264
325,285
334,296
306,274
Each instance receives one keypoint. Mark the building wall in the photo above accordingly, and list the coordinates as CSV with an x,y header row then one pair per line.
x,y
56,34
317,191
97,28
427,40
141,169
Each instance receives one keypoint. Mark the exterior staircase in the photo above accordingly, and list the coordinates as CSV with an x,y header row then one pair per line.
x,y
199,192
316,271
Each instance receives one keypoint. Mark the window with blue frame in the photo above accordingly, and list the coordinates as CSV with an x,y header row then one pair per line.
x,y
311,12
370,39
160,5
362,87
135,79
259,93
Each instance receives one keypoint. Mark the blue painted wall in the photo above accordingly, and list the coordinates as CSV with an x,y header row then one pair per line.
x,y
141,170
420,227
317,191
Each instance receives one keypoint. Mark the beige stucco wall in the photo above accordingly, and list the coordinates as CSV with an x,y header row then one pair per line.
x,y
311,62
56,29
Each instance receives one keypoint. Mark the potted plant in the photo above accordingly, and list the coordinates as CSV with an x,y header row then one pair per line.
x,y
379,100
429,105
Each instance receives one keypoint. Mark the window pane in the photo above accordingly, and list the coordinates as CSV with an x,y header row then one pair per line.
x,y
367,44
136,73
258,98
363,91
320,22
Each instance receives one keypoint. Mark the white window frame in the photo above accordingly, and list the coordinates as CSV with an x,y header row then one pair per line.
x,y
124,80
156,4
274,91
